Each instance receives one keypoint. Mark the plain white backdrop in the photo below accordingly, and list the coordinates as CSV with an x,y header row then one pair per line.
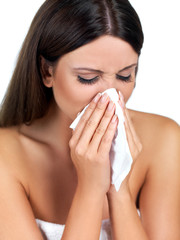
x,y
158,81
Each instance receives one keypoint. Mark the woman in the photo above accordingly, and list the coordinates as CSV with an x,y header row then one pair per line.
x,y
51,176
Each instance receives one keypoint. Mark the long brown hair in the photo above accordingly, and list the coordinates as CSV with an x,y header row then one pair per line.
x,y
61,26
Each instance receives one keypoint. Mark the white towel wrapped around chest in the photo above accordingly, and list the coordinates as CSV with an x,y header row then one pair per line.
x,y
53,231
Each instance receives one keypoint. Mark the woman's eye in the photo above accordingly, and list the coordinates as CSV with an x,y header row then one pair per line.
x,y
87,81
123,78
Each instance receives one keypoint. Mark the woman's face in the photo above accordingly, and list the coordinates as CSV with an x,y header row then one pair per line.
x,y
107,62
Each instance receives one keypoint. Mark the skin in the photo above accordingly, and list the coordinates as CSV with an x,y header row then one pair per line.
x,y
61,176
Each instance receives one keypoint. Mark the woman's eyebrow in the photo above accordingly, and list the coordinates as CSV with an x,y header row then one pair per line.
x,y
100,72
89,69
130,66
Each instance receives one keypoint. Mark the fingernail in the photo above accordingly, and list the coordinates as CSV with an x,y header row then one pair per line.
x,y
122,99
110,106
104,98
97,97
121,104
120,94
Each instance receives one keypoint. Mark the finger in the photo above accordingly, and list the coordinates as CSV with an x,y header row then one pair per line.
x,y
128,122
94,120
126,114
129,135
101,129
107,138
82,122
133,139
121,98
132,129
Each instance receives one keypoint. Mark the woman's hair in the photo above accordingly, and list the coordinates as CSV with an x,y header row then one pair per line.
x,y
59,27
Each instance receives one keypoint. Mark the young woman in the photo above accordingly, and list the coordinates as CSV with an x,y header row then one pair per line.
x,y
53,178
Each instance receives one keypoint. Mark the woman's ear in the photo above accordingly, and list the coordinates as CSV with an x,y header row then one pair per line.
x,y
46,72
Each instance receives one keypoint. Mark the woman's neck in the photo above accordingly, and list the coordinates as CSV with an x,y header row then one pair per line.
x,y
53,130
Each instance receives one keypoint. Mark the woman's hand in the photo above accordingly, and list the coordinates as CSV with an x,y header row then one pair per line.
x,y
91,143
134,143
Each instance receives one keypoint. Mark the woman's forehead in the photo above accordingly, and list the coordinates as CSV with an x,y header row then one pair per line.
x,y
102,53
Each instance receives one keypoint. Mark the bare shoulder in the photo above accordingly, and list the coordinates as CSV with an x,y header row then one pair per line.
x,y
16,211
160,137
9,143
160,192
153,127
8,135
11,154
153,120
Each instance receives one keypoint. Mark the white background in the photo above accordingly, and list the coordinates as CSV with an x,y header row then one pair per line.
x,y
158,81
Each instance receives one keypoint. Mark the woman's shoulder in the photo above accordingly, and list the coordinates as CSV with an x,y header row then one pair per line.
x,y
154,124
9,142
12,161
150,117
160,135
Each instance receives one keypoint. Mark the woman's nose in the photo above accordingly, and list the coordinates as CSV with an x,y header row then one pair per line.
x,y
109,83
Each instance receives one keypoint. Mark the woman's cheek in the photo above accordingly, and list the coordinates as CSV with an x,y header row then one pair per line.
x,y
127,90
72,98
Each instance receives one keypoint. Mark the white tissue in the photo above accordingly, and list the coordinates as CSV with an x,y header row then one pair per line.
x,y
120,156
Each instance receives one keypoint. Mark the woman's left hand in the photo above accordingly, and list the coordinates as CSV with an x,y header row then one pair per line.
x,y
134,143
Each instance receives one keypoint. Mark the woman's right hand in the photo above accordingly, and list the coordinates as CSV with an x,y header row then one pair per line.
x,y
91,143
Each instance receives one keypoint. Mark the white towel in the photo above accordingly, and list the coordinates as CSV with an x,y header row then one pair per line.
x,y
52,231
120,156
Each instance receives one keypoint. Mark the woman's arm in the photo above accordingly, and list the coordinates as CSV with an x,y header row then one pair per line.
x,y
90,146
160,194
125,221
85,216
17,221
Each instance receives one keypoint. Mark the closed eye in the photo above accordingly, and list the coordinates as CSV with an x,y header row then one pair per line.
x,y
123,78
87,81
93,80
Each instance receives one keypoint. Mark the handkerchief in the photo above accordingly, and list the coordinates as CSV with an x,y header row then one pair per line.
x,y
120,156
